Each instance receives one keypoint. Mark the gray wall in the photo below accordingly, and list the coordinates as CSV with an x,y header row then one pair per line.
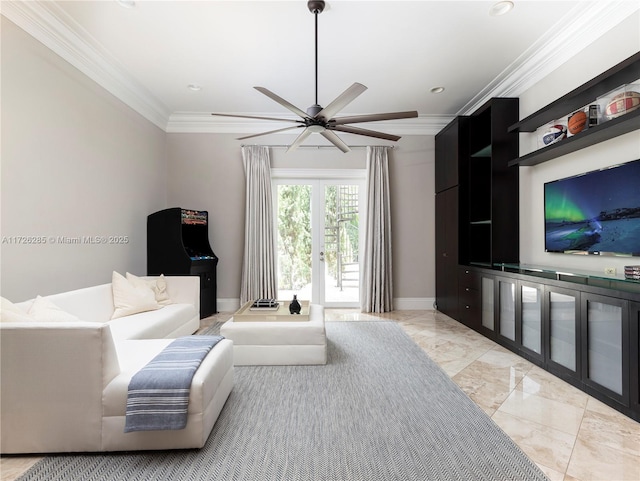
x,y
205,172
75,162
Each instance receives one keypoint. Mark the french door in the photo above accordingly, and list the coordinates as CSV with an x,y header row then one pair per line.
x,y
319,219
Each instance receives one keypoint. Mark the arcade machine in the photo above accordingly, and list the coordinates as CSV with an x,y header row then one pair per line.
x,y
178,244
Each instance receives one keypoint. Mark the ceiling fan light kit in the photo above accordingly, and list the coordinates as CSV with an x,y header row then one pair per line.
x,y
321,120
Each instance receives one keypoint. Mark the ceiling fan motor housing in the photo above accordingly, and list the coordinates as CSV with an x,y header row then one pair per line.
x,y
314,110
315,6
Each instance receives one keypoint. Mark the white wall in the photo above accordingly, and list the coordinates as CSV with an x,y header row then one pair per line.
x,y
75,162
205,172
613,47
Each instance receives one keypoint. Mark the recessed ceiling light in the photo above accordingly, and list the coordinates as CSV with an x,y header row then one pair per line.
x,y
437,90
194,87
500,8
126,3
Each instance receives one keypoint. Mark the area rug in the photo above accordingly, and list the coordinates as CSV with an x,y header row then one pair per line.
x,y
379,410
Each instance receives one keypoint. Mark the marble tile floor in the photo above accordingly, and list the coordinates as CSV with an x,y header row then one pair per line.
x,y
570,435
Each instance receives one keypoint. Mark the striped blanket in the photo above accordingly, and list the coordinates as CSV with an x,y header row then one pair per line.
x,y
158,395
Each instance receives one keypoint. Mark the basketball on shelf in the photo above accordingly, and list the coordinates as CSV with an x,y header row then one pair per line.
x,y
622,104
577,122
554,134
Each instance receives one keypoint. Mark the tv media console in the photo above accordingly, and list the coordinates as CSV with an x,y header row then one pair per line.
x,y
581,326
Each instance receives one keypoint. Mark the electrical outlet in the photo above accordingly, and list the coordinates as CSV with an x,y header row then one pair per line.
x,y
611,271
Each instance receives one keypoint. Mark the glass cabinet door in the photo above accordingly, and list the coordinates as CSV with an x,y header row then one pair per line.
x,y
507,316
488,320
605,326
531,315
562,326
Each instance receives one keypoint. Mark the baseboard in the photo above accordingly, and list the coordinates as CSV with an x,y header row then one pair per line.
x,y
413,303
228,305
399,304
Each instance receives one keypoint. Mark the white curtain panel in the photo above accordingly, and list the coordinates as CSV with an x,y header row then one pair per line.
x,y
259,262
376,291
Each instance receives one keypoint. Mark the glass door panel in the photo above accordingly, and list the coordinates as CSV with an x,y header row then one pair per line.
x,y
531,318
487,303
562,319
604,340
507,309
294,241
341,243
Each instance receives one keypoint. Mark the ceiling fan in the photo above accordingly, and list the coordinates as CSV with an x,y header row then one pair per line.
x,y
321,120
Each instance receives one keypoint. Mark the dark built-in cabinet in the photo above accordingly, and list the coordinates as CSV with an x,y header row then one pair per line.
x,y
582,327
178,245
451,146
476,199
491,227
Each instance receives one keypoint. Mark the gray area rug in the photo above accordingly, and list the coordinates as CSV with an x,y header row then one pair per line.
x,y
379,410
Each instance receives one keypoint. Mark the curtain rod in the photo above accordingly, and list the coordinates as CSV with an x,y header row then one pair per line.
x,y
285,146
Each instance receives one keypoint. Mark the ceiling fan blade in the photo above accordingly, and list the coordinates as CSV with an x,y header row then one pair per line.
x,y
270,132
374,117
282,102
335,140
257,118
369,133
301,138
341,101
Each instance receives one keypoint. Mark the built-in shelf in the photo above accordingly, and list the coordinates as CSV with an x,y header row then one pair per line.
x,y
591,136
576,276
626,71
483,153
623,73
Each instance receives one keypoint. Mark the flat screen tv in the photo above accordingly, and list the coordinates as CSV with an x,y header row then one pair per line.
x,y
594,213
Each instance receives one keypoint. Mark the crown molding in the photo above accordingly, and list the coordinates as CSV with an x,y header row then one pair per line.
x,y
50,25
575,31
203,122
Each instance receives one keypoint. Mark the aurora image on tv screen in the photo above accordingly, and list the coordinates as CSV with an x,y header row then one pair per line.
x,y
595,213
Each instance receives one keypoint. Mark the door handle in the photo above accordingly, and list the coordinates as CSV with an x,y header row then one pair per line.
x,y
322,256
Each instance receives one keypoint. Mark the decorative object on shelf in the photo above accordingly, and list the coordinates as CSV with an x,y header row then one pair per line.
x,y
632,272
577,122
622,103
295,307
594,115
596,93
554,134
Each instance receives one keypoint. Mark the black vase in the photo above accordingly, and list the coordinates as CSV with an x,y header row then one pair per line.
x,y
294,307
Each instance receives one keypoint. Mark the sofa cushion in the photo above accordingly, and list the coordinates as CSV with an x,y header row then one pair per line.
x,y
156,324
129,298
44,310
9,312
157,285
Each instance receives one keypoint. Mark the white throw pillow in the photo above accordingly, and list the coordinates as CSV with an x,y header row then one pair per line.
x,y
43,309
159,287
9,312
130,299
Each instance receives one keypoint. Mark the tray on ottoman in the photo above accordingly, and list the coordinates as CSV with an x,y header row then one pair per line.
x,y
248,314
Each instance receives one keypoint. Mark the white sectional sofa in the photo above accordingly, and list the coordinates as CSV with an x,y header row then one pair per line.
x,y
64,383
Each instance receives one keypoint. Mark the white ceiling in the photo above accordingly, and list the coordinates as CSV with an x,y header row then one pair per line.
x,y
149,54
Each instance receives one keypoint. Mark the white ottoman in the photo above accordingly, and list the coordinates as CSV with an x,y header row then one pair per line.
x,y
258,343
